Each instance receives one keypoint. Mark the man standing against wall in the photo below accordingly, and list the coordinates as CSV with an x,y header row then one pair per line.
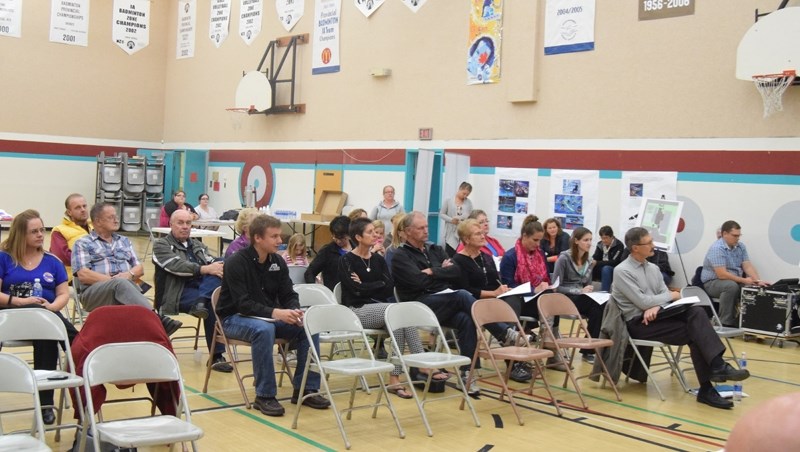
x,y
74,225
726,268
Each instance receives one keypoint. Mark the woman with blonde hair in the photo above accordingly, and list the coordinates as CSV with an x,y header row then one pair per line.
x,y
23,262
296,252
241,226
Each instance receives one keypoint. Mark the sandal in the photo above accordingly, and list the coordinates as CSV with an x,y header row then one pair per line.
x,y
438,375
399,391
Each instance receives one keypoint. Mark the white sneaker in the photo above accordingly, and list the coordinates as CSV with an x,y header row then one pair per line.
x,y
472,386
513,337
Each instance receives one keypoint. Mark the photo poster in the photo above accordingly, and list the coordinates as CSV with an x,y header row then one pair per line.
x,y
638,185
11,18
515,200
414,5
569,26
367,7
219,21
485,35
187,25
250,18
325,51
69,22
289,12
130,25
574,194
661,217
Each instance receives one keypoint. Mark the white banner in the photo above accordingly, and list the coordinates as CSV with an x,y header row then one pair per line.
x,y
289,12
414,5
250,19
69,22
638,185
568,26
11,18
219,21
367,7
187,21
574,194
325,51
130,25
515,200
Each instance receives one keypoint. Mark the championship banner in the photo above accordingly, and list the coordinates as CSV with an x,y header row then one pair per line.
x,y
250,19
568,26
219,22
11,18
574,194
325,50
187,21
289,12
69,22
638,185
367,7
130,25
414,5
515,200
485,33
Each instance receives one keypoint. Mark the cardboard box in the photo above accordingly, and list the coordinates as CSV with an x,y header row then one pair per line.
x,y
329,206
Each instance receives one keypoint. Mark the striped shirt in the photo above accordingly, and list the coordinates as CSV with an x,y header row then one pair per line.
x,y
721,255
96,254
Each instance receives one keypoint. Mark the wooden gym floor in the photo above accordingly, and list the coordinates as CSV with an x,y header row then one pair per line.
x,y
641,421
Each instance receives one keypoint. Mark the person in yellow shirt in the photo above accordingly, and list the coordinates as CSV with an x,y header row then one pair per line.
x,y
74,225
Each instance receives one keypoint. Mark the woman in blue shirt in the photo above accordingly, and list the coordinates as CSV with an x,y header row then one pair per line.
x,y
22,261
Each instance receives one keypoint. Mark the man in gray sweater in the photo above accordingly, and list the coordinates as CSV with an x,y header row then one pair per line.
x,y
641,295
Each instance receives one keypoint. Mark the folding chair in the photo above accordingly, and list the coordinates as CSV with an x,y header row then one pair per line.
x,y
449,333
20,379
41,324
724,332
319,319
131,363
378,334
233,355
493,311
297,273
417,315
553,304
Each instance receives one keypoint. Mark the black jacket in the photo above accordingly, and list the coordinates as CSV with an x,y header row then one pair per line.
x,y
376,284
407,265
326,262
476,274
255,289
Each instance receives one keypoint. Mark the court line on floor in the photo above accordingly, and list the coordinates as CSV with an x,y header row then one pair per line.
x,y
263,421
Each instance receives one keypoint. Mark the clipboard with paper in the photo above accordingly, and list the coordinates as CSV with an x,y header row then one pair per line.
x,y
526,291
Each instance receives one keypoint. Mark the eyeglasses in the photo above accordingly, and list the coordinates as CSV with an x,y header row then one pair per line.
x,y
204,198
650,243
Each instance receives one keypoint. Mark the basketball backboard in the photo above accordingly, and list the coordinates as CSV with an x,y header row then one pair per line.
x,y
254,92
771,45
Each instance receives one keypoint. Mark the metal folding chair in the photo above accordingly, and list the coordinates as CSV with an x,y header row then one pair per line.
x,y
20,379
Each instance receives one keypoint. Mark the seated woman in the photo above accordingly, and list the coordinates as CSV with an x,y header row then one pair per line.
x,y
574,272
206,212
607,255
327,259
493,246
241,226
380,237
555,242
395,238
178,202
296,252
366,286
22,262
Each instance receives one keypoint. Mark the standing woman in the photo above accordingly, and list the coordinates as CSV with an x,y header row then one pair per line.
x,y
574,271
179,202
492,246
387,208
453,211
22,261
366,288
555,242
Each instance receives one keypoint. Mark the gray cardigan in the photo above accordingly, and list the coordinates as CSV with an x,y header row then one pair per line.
x,y
571,280
447,213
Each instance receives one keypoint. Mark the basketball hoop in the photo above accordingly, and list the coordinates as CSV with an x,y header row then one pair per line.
x,y
772,87
237,115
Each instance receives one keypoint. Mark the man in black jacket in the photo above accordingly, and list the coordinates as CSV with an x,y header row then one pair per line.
x,y
256,283
607,255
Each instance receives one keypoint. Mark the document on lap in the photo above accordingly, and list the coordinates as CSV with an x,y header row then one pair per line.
x,y
600,297
522,289
682,301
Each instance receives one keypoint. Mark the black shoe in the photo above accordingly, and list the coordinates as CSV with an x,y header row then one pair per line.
x,y
220,365
317,401
520,373
269,406
170,325
588,357
48,416
199,310
712,398
381,354
728,372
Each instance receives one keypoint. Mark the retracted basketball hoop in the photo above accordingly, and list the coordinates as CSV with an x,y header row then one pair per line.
x,y
772,87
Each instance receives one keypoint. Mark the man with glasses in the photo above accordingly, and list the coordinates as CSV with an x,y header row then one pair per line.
x,y
641,295
726,268
106,268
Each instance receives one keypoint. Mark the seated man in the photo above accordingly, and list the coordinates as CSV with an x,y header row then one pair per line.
x,y
186,276
420,270
640,293
106,266
256,283
607,255
74,225
726,268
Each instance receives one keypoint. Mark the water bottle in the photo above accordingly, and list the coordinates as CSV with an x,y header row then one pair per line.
x,y
37,288
737,386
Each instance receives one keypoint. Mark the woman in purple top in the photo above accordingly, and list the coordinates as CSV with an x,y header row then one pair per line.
x,y
22,261
242,224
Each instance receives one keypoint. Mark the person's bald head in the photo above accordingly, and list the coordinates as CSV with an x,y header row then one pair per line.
x,y
768,427
181,224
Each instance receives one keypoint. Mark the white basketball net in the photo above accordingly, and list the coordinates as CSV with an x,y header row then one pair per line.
x,y
237,116
772,88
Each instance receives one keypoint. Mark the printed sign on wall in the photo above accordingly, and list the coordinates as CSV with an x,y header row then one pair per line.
x,y
131,25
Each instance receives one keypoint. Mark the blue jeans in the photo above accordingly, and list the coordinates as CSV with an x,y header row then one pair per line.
x,y
261,335
606,278
194,293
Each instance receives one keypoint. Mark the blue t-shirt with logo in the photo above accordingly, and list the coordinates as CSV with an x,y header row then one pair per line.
x,y
18,281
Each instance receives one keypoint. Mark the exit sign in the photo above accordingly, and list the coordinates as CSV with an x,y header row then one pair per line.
x,y
426,134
